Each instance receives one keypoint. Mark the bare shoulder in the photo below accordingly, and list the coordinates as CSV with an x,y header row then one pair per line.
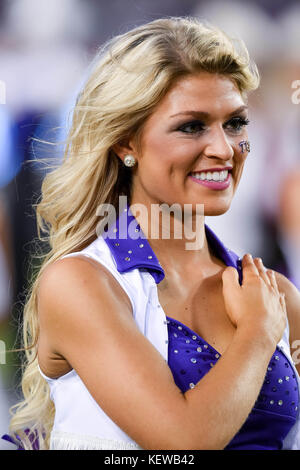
x,y
292,295
292,300
77,291
77,276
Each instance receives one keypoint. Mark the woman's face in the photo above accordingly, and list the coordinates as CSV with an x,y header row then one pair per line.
x,y
189,143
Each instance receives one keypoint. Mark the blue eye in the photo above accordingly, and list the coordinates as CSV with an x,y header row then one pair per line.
x,y
192,127
237,123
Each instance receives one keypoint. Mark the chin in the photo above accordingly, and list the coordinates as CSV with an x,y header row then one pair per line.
x,y
214,211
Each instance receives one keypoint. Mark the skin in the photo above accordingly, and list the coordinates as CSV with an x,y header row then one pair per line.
x,y
94,332
194,275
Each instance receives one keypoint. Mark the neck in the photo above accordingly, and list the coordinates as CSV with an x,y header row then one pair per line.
x,y
176,234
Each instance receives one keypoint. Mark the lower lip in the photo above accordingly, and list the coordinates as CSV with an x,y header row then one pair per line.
x,y
217,185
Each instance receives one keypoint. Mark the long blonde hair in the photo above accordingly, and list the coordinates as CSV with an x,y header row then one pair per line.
x,y
129,76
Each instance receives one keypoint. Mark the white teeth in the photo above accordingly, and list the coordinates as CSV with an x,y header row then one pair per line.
x,y
211,176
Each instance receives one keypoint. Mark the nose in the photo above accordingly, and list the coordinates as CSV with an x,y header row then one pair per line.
x,y
218,146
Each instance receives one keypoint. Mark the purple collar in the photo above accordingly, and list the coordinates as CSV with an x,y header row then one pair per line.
x,y
131,249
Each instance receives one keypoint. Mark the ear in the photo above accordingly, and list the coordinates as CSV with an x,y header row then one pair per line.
x,y
123,148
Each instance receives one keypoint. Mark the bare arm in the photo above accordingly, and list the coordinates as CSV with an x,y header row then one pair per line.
x,y
88,321
292,298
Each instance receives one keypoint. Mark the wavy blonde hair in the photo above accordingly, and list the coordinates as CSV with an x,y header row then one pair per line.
x,y
129,76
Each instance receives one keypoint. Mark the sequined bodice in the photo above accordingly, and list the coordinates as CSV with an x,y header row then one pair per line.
x,y
275,410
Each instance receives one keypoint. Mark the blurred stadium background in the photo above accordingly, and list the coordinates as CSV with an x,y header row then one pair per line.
x,y
45,48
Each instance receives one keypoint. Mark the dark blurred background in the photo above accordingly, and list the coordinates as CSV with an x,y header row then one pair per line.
x,y
45,48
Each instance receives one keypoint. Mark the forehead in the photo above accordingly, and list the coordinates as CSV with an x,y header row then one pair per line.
x,y
212,93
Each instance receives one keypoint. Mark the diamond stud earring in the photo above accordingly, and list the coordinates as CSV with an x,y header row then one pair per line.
x,y
129,160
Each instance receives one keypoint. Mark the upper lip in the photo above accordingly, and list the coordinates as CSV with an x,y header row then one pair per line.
x,y
213,169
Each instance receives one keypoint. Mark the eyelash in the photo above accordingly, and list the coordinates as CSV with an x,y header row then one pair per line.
x,y
240,122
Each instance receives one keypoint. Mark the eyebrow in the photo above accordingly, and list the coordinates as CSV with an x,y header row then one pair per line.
x,y
204,114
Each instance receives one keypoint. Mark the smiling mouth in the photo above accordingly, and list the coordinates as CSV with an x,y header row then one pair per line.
x,y
213,174
215,179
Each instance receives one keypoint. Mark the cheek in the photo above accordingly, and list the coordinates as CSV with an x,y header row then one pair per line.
x,y
239,167
169,154
240,159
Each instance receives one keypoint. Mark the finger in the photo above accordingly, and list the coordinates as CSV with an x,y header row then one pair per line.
x,y
262,270
249,268
230,278
282,302
271,275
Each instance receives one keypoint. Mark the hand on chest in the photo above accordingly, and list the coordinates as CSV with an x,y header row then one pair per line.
x,y
200,306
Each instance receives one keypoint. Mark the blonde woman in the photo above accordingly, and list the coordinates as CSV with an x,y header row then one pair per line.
x,y
138,341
